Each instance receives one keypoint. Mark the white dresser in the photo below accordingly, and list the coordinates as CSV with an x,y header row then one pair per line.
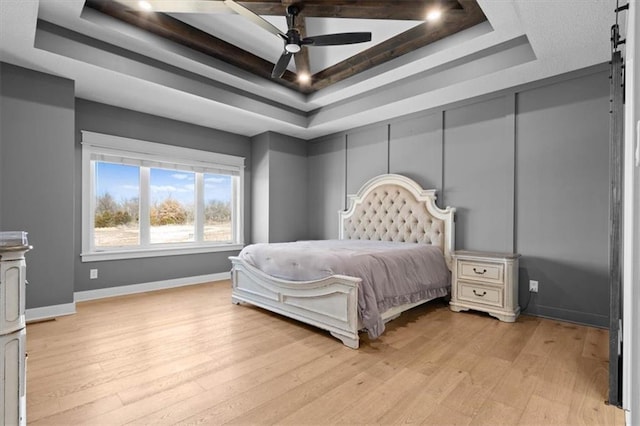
x,y
486,282
13,334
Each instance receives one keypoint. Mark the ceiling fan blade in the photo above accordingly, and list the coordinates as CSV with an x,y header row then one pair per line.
x,y
256,19
337,39
281,65
180,6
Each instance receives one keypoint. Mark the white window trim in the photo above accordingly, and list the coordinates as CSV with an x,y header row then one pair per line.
x,y
98,143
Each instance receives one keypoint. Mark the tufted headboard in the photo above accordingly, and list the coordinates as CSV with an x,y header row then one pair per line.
x,y
395,208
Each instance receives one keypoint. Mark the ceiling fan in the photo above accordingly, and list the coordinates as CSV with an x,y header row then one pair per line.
x,y
292,40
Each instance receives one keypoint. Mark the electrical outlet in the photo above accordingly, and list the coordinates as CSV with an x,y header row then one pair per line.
x,y
93,274
533,286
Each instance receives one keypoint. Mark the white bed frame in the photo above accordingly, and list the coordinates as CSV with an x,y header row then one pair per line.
x,y
388,208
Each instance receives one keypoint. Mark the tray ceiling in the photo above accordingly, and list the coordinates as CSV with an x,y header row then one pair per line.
x,y
113,62
210,27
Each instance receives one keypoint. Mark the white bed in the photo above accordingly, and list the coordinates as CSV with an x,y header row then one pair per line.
x,y
387,208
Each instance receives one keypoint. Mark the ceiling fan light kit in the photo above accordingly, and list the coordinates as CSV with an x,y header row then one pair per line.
x,y
292,47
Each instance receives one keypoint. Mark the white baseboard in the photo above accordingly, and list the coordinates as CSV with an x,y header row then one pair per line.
x,y
81,296
48,312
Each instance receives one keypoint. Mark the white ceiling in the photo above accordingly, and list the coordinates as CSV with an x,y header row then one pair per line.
x,y
524,41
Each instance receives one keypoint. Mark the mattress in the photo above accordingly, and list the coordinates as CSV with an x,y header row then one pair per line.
x,y
392,273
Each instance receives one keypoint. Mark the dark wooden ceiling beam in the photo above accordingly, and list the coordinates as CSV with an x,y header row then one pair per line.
x,y
412,39
186,35
459,15
361,9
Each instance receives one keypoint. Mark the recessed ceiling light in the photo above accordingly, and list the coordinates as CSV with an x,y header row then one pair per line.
x,y
145,5
303,77
434,15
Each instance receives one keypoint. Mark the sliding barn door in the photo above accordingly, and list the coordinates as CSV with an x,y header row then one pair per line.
x,y
616,141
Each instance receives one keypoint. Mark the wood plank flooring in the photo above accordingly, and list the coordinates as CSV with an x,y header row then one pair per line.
x,y
188,356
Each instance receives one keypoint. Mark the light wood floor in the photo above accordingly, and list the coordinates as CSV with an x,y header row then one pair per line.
x,y
187,356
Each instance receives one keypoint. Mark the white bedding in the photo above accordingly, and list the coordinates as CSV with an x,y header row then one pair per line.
x,y
392,273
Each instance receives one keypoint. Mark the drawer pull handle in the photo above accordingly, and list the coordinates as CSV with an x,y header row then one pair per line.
x,y
478,294
479,272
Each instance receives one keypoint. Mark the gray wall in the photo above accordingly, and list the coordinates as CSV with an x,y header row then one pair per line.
x,y
37,177
415,149
367,155
527,171
102,118
479,173
287,188
327,186
563,196
279,188
260,188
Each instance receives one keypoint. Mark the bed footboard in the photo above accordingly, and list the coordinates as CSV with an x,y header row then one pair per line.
x,y
330,303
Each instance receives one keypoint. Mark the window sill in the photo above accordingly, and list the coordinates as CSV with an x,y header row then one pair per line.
x,y
116,254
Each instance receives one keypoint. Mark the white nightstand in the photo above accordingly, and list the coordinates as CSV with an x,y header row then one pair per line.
x,y
486,282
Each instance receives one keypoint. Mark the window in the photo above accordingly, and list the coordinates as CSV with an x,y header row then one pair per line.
x,y
143,199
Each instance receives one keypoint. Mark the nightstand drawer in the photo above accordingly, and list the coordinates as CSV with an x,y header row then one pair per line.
x,y
481,271
480,294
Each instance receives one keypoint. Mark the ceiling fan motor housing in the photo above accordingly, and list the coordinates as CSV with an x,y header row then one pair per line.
x,y
293,10
292,44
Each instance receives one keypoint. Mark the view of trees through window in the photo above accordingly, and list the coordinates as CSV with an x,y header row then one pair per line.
x,y
217,207
172,206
